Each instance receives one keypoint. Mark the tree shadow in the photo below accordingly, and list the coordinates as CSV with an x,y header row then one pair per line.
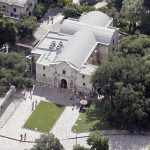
x,y
96,114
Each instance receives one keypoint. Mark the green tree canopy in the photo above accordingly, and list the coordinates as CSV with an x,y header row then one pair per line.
x,y
98,142
8,32
39,11
136,45
12,71
47,142
132,10
125,82
72,11
78,147
26,26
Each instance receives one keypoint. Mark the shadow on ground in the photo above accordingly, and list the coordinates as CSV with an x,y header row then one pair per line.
x,y
53,94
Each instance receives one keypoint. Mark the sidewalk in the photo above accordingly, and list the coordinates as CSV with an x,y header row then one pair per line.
x,y
47,25
63,126
13,127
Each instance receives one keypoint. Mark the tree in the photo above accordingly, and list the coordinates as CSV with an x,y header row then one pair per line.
x,y
87,8
124,81
64,2
47,142
132,10
136,45
72,11
98,142
26,26
116,3
78,147
13,71
39,11
8,32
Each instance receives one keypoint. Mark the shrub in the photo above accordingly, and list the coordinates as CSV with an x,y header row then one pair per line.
x,y
39,11
72,11
87,8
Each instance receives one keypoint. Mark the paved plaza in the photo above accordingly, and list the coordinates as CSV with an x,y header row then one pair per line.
x,y
13,126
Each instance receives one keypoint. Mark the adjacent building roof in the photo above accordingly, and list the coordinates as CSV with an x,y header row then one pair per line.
x,y
74,52
15,2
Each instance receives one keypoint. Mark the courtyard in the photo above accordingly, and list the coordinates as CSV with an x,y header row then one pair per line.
x,y
44,116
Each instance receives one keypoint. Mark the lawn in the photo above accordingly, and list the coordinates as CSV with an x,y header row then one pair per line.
x,y
91,120
44,116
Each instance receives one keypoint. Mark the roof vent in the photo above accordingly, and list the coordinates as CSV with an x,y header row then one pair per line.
x,y
61,43
58,47
54,43
51,46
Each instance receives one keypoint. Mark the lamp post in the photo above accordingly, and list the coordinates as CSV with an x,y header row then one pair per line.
x,y
76,136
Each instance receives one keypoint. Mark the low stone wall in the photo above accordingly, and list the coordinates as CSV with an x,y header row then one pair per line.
x,y
7,97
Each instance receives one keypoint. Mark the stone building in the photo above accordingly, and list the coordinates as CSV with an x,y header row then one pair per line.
x,y
17,8
68,58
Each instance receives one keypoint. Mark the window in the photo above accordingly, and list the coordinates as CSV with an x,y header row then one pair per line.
x,y
43,67
113,41
83,84
4,6
43,75
83,76
14,9
64,72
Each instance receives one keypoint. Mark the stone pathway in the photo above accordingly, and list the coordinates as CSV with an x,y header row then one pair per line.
x,y
13,127
63,126
9,112
47,25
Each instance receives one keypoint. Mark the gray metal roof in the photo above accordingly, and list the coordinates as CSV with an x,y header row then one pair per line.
x,y
77,48
102,34
95,18
15,2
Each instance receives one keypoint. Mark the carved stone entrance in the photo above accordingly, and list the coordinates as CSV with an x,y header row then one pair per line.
x,y
63,83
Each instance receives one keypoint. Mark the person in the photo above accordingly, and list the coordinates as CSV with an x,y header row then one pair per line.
x,y
24,136
35,103
32,106
21,137
52,19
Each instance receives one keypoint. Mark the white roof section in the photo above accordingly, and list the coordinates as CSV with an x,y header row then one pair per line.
x,y
88,69
15,2
74,52
102,34
95,18
44,45
79,39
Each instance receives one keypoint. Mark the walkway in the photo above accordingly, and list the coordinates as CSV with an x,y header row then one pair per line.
x,y
46,25
63,126
13,127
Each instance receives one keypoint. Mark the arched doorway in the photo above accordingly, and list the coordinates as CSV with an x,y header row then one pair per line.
x,y
63,83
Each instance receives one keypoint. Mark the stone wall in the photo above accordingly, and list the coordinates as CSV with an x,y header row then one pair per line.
x,y
8,95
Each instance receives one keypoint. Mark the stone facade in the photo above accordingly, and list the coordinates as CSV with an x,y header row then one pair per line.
x,y
15,10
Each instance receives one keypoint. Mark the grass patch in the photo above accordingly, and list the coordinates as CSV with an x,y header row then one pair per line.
x,y
91,120
44,116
